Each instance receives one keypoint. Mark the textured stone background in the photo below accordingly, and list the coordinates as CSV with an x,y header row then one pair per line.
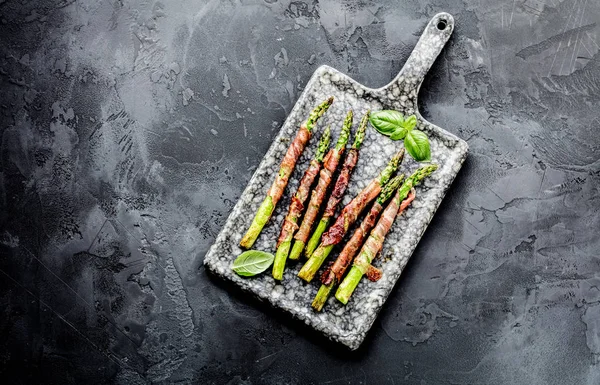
x,y
129,129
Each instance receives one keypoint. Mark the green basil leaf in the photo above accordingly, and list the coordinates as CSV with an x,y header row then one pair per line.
x,y
252,262
400,133
410,122
417,145
386,121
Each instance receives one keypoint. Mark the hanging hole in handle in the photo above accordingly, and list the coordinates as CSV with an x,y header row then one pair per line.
x,y
442,24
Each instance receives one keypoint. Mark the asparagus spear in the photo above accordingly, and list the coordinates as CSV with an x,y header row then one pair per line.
x,y
297,206
334,274
339,189
318,195
373,244
347,218
287,167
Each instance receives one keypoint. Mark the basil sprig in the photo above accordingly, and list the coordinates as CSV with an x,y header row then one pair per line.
x,y
395,125
252,262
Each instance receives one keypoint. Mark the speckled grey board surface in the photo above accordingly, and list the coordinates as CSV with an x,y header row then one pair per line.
x,y
347,324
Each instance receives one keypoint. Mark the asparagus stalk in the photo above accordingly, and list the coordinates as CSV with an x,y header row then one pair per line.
x,y
373,244
290,225
340,187
287,167
318,195
347,218
334,274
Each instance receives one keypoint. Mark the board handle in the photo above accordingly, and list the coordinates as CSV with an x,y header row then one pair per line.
x,y
430,44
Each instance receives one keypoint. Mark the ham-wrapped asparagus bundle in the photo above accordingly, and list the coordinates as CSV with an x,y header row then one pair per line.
x,y
339,188
318,194
290,223
281,180
347,218
373,245
334,273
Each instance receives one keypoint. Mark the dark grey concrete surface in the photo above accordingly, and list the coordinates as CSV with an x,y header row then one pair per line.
x,y
129,129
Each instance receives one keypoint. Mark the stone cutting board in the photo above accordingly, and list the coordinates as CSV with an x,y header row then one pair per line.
x,y
347,324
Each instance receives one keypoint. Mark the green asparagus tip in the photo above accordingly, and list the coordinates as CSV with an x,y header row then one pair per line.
x,y
430,168
317,113
323,144
422,173
413,180
362,129
389,189
345,133
391,167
